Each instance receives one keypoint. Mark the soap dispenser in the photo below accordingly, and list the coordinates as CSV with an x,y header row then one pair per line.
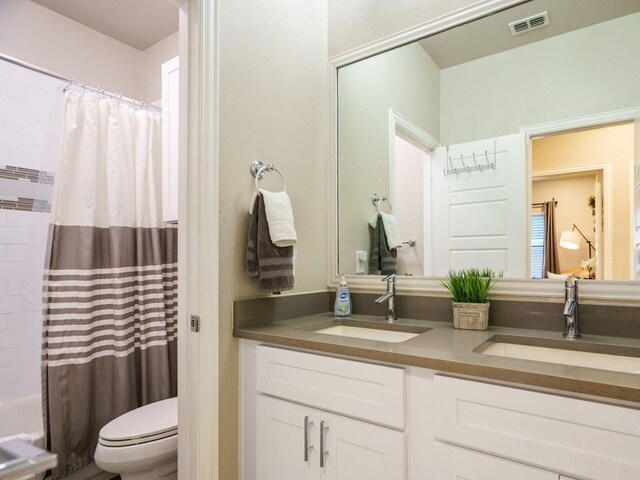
x,y
342,308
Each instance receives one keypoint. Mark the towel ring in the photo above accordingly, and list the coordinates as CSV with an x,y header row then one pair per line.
x,y
258,169
377,199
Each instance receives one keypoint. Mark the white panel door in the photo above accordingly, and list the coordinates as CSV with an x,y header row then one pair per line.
x,y
480,217
280,441
355,450
455,463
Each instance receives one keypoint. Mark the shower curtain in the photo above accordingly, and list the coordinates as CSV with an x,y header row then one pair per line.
x,y
110,287
551,263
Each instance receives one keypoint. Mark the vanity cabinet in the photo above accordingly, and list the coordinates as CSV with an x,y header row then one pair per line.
x,y
408,423
314,418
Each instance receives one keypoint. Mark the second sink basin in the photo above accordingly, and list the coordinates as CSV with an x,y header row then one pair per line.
x,y
580,354
369,330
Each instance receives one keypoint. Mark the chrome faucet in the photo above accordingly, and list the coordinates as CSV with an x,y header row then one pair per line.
x,y
571,307
391,316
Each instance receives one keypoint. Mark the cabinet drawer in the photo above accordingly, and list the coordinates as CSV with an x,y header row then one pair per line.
x,y
573,437
362,390
455,463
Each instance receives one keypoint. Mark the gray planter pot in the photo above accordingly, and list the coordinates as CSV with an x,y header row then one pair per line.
x,y
471,316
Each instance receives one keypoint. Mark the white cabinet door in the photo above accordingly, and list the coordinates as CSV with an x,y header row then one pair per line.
x,y
280,441
170,94
481,216
353,449
455,463
356,450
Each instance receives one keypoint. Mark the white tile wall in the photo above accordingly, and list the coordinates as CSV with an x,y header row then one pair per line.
x,y
4,156
30,125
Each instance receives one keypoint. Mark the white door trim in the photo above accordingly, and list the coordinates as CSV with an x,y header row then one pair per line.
x,y
585,121
198,229
410,132
632,219
574,123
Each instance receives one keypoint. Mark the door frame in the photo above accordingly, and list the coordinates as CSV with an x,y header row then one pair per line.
x,y
575,123
198,352
633,186
412,133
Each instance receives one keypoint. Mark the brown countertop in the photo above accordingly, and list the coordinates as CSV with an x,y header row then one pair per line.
x,y
447,350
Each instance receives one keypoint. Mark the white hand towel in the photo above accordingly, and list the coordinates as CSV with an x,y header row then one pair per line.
x,y
390,223
280,218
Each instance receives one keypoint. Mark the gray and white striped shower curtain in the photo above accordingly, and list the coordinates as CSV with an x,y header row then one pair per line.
x,y
110,287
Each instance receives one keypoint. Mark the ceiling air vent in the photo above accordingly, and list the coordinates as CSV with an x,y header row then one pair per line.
x,y
529,23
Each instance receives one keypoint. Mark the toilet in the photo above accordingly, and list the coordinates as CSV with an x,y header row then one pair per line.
x,y
142,444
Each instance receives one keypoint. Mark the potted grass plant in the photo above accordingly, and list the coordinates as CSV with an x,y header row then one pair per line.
x,y
470,293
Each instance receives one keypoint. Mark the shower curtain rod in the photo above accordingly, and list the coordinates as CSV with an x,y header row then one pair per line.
x,y
71,81
541,204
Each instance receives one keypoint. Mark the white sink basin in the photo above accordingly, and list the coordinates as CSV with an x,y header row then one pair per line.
x,y
603,361
368,333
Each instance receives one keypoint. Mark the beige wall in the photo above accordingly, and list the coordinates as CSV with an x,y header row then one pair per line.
x,y
272,107
592,70
572,195
355,23
44,38
613,146
152,60
405,80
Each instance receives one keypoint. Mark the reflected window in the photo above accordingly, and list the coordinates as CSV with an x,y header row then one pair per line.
x,y
537,245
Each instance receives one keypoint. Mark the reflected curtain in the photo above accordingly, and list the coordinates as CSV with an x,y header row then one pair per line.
x,y
110,287
551,263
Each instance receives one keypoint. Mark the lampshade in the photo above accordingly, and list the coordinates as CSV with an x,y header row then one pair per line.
x,y
570,240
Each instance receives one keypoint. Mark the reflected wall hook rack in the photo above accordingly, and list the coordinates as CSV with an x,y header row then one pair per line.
x,y
467,168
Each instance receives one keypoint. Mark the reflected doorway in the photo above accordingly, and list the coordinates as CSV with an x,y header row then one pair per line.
x,y
590,174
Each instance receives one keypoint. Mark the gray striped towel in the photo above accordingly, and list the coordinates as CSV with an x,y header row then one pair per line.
x,y
272,265
383,259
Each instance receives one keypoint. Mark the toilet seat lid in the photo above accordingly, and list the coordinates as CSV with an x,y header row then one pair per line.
x,y
145,424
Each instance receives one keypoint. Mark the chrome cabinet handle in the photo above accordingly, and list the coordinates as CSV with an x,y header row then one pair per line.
x,y
322,451
307,447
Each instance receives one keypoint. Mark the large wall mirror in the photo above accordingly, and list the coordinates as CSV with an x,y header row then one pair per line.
x,y
497,144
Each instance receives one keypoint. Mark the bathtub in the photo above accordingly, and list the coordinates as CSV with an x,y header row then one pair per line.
x,y
22,415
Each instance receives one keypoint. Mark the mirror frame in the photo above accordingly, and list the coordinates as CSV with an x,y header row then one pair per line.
x,y
597,292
